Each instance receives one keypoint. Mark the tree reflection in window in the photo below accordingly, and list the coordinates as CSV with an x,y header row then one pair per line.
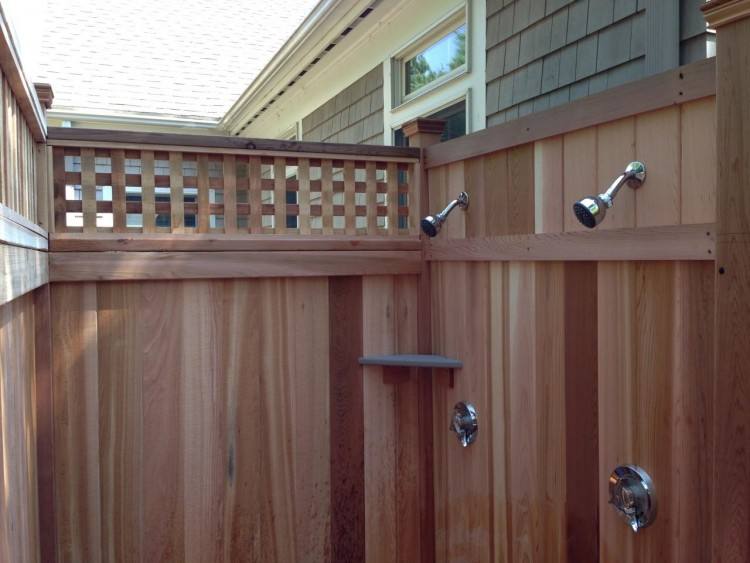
x,y
440,58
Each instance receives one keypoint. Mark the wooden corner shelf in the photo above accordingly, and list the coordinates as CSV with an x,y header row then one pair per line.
x,y
399,365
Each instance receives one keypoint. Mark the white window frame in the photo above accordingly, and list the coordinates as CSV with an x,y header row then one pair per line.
x,y
468,85
445,25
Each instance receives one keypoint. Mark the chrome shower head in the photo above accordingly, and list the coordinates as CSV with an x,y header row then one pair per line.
x,y
591,210
432,224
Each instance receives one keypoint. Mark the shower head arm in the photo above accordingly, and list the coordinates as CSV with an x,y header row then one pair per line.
x,y
461,201
633,176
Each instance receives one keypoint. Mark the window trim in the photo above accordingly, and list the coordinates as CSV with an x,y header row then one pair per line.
x,y
465,97
448,23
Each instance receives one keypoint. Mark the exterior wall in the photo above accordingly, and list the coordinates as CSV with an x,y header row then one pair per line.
x,y
541,54
393,25
354,115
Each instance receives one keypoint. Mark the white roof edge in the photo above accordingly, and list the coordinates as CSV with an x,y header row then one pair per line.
x,y
112,117
325,23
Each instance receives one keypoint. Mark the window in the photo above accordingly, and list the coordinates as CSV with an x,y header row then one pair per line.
x,y
455,124
436,57
437,60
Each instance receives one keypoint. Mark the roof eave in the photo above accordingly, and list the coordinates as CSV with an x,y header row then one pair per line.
x,y
324,24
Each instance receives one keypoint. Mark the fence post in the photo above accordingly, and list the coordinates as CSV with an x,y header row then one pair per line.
x,y
422,133
730,510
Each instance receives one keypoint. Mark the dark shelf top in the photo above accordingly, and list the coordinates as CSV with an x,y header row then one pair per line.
x,y
412,361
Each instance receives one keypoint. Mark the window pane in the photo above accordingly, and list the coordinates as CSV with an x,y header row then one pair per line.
x,y
436,60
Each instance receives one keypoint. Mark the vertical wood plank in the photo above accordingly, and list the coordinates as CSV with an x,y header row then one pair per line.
x,y
45,428
499,336
579,172
76,412
581,422
256,213
88,189
350,219
58,188
279,195
148,196
303,195
230,193
347,416
380,428
697,172
658,142
372,202
176,193
307,343
415,177
120,365
248,533
548,185
462,476
455,182
44,192
203,187
521,189
119,212
326,195
731,493
616,148
496,186
203,419
392,195
478,214
160,323
693,415
616,383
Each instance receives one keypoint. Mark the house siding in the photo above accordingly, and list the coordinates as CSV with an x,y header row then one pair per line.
x,y
354,115
542,54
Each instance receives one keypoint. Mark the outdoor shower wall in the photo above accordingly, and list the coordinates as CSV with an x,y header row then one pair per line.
x,y
579,355
229,420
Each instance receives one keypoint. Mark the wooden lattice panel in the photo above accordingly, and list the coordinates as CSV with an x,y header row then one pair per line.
x,y
151,191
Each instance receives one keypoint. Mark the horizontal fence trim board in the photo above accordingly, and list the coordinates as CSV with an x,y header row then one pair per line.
x,y
21,270
102,138
101,242
19,231
124,266
690,82
680,242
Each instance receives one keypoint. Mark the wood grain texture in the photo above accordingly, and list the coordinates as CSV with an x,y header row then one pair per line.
x,y
164,397
78,242
682,242
690,82
391,430
347,434
267,147
548,187
21,270
654,401
462,477
731,492
658,141
698,177
615,149
82,266
19,521
44,422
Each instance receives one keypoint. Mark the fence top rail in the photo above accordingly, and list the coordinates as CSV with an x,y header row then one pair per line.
x,y
103,138
689,82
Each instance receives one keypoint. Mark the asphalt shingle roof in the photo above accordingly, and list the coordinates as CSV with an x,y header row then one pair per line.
x,y
188,59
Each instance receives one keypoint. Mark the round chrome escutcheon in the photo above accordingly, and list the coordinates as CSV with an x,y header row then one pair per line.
x,y
464,423
631,493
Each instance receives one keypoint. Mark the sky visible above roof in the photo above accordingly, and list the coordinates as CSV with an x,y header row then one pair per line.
x,y
167,59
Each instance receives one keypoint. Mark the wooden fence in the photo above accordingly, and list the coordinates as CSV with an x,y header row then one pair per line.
x,y
582,350
108,187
